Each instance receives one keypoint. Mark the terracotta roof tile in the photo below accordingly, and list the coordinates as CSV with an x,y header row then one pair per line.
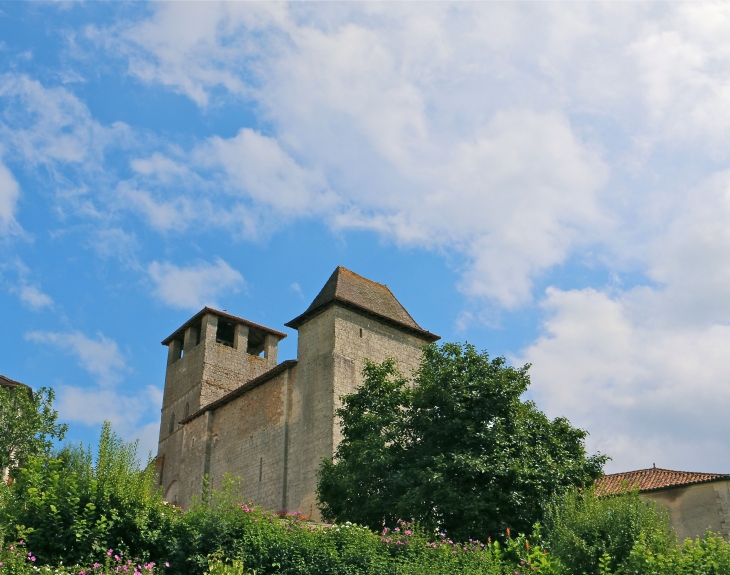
x,y
652,479
352,290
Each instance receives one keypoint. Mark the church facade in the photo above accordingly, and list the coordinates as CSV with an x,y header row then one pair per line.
x,y
229,406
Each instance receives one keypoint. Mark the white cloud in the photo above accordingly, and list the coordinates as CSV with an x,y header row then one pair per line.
x,y
9,193
647,393
644,368
93,406
29,291
117,243
520,137
195,286
51,125
369,132
259,167
100,357
297,289
34,297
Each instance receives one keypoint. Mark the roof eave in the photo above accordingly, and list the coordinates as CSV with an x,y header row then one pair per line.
x,y
309,314
179,331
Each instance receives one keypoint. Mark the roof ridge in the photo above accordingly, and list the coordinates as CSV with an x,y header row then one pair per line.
x,y
654,469
348,288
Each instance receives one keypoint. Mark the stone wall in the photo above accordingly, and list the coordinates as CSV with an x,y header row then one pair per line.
x,y
274,436
693,509
204,372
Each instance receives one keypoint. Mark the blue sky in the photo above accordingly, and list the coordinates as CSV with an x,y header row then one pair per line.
x,y
547,181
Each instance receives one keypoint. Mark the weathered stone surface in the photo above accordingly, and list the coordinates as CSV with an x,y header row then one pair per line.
x,y
274,435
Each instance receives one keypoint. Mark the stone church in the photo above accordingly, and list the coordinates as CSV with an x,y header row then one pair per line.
x,y
230,407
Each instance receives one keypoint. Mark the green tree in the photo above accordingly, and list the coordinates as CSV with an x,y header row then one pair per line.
x,y
70,506
27,424
457,451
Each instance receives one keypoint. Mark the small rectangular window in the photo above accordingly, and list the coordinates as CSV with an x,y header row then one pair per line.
x,y
225,333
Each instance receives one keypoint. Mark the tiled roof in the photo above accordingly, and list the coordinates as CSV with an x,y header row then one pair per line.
x,y
180,332
354,291
652,479
7,382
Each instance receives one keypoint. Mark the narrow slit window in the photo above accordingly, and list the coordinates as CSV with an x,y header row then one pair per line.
x,y
261,468
187,409
360,332
172,422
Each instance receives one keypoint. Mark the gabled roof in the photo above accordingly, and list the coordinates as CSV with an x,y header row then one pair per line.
x,y
351,290
196,319
653,479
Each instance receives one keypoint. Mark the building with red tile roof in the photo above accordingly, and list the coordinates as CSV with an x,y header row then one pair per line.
x,y
696,502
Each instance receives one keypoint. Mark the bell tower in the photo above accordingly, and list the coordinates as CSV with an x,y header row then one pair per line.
x,y
210,355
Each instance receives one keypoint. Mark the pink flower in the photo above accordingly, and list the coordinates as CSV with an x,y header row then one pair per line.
x,y
1,563
109,553
82,572
167,564
96,565
409,532
32,559
21,542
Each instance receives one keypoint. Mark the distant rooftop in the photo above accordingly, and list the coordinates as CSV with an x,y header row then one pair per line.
x,y
7,382
653,479
179,333
355,291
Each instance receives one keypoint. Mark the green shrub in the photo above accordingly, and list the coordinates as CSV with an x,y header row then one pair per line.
x,y
15,559
264,542
583,528
707,556
71,508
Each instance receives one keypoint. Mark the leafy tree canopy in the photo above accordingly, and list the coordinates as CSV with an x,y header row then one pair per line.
x,y
27,424
458,451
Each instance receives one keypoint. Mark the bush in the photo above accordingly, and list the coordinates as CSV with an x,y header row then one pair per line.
x,y
264,542
583,528
71,508
15,559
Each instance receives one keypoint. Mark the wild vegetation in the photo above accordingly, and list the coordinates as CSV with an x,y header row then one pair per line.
x,y
70,511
